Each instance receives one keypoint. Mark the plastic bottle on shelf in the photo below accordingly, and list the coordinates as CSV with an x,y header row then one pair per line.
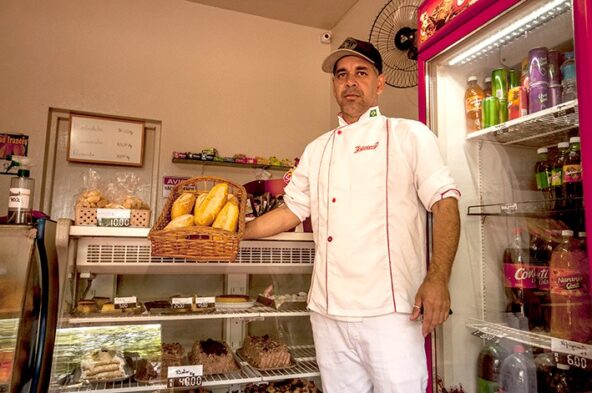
x,y
557,175
542,170
487,86
20,199
562,380
518,373
570,296
539,258
489,364
520,280
473,104
572,175
545,368
568,73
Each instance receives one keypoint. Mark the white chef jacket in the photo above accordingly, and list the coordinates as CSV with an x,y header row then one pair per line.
x,y
366,187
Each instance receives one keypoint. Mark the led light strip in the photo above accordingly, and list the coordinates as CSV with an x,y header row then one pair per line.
x,y
514,30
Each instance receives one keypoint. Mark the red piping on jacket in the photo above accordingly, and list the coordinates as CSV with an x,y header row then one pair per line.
x,y
388,242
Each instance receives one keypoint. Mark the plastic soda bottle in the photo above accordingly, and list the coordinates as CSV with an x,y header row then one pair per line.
x,y
473,103
568,73
518,373
570,294
542,170
489,364
572,175
557,175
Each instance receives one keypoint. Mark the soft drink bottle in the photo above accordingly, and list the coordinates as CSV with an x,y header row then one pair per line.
x,y
518,373
570,295
568,73
557,175
539,259
545,367
562,380
473,104
542,171
572,175
487,86
489,364
519,278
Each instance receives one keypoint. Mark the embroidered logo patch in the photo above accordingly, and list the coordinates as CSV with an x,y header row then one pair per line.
x,y
362,148
373,113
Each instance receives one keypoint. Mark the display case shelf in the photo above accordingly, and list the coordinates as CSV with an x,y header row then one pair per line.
x,y
231,164
522,209
544,128
538,340
258,311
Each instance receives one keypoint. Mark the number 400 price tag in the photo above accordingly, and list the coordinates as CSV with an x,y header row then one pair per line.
x,y
184,376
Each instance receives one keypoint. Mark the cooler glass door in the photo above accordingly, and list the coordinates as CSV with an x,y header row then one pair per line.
x,y
520,286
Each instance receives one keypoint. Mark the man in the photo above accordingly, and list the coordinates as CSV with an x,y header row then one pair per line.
x,y
367,186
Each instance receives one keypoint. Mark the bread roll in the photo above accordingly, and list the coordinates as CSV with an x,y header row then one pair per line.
x,y
182,205
186,220
211,206
233,199
227,218
198,202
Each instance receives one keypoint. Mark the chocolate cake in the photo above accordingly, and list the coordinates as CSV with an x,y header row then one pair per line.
x,y
215,356
287,386
173,355
265,352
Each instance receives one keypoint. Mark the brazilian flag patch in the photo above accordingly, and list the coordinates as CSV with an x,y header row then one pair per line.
x,y
373,113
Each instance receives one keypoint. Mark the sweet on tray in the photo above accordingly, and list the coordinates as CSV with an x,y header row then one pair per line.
x,y
287,386
102,365
282,301
216,357
264,352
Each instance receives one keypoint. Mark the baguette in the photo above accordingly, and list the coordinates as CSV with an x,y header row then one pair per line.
x,y
212,204
186,220
227,219
182,205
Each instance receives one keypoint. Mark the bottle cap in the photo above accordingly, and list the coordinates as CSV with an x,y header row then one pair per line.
x,y
542,150
472,78
563,145
22,172
574,139
487,79
581,235
568,55
516,231
519,348
567,232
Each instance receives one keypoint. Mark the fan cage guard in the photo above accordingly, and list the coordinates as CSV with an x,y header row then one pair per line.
x,y
399,70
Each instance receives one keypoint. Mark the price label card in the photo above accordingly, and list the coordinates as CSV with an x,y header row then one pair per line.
x,y
184,376
113,217
571,347
485,336
181,302
573,361
125,302
203,302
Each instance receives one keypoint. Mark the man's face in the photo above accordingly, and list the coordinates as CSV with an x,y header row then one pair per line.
x,y
356,85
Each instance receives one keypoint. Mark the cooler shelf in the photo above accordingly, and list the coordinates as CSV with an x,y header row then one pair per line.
x,y
520,209
544,128
490,330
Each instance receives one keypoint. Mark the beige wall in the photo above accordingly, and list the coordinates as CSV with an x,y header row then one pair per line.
x,y
215,78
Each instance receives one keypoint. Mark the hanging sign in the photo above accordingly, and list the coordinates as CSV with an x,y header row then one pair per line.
x,y
435,14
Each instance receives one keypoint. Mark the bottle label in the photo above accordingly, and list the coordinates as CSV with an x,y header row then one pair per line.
x,y
556,177
473,104
572,173
520,276
542,180
543,278
19,198
568,282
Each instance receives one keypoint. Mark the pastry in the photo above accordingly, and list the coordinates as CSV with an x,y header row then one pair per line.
x,y
265,352
100,300
86,306
173,354
109,307
288,386
102,365
232,298
215,357
145,371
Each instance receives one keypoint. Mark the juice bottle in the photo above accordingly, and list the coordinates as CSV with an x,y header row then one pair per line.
x,y
570,295
557,175
518,373
489,364
473,102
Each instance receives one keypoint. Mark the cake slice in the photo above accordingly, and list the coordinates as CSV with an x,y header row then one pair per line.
x,y
265,352
215,357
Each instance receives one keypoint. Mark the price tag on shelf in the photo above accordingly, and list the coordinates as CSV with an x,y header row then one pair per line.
x,y
203,302
184,376
573,361
113,217
571,347
178,303
121,303
486,336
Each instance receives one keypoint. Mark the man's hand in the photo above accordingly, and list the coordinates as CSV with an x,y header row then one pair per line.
x,y
434,299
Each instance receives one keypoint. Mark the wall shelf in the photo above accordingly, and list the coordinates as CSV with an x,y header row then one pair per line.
x,y
231,164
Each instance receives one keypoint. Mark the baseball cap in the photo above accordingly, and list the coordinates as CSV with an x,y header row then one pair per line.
x,y
352,46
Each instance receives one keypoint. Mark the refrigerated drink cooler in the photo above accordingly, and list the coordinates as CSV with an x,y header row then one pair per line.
x,y
521,285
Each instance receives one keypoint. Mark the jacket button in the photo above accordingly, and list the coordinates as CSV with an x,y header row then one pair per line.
x,y
333,200
330,239
339,132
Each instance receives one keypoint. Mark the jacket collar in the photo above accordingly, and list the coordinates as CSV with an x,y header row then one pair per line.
x,y
370,113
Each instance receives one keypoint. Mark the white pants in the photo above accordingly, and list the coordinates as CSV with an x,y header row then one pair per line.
x,y
382,354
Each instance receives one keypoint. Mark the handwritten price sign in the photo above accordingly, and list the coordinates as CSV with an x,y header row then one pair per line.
x,y
184,376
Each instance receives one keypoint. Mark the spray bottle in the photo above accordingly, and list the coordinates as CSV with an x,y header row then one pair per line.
x,y
20,199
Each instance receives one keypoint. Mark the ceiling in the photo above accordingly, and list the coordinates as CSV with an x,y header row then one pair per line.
x,y
314,13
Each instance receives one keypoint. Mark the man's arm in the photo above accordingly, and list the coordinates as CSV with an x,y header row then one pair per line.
x,y
433,295
276,221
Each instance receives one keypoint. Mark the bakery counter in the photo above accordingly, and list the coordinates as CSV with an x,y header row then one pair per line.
x,y
257,311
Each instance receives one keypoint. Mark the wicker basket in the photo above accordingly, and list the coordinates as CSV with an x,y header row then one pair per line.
x,y
88,216
200,243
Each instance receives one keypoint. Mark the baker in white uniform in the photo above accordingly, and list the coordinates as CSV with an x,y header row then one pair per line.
x,y
367,186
